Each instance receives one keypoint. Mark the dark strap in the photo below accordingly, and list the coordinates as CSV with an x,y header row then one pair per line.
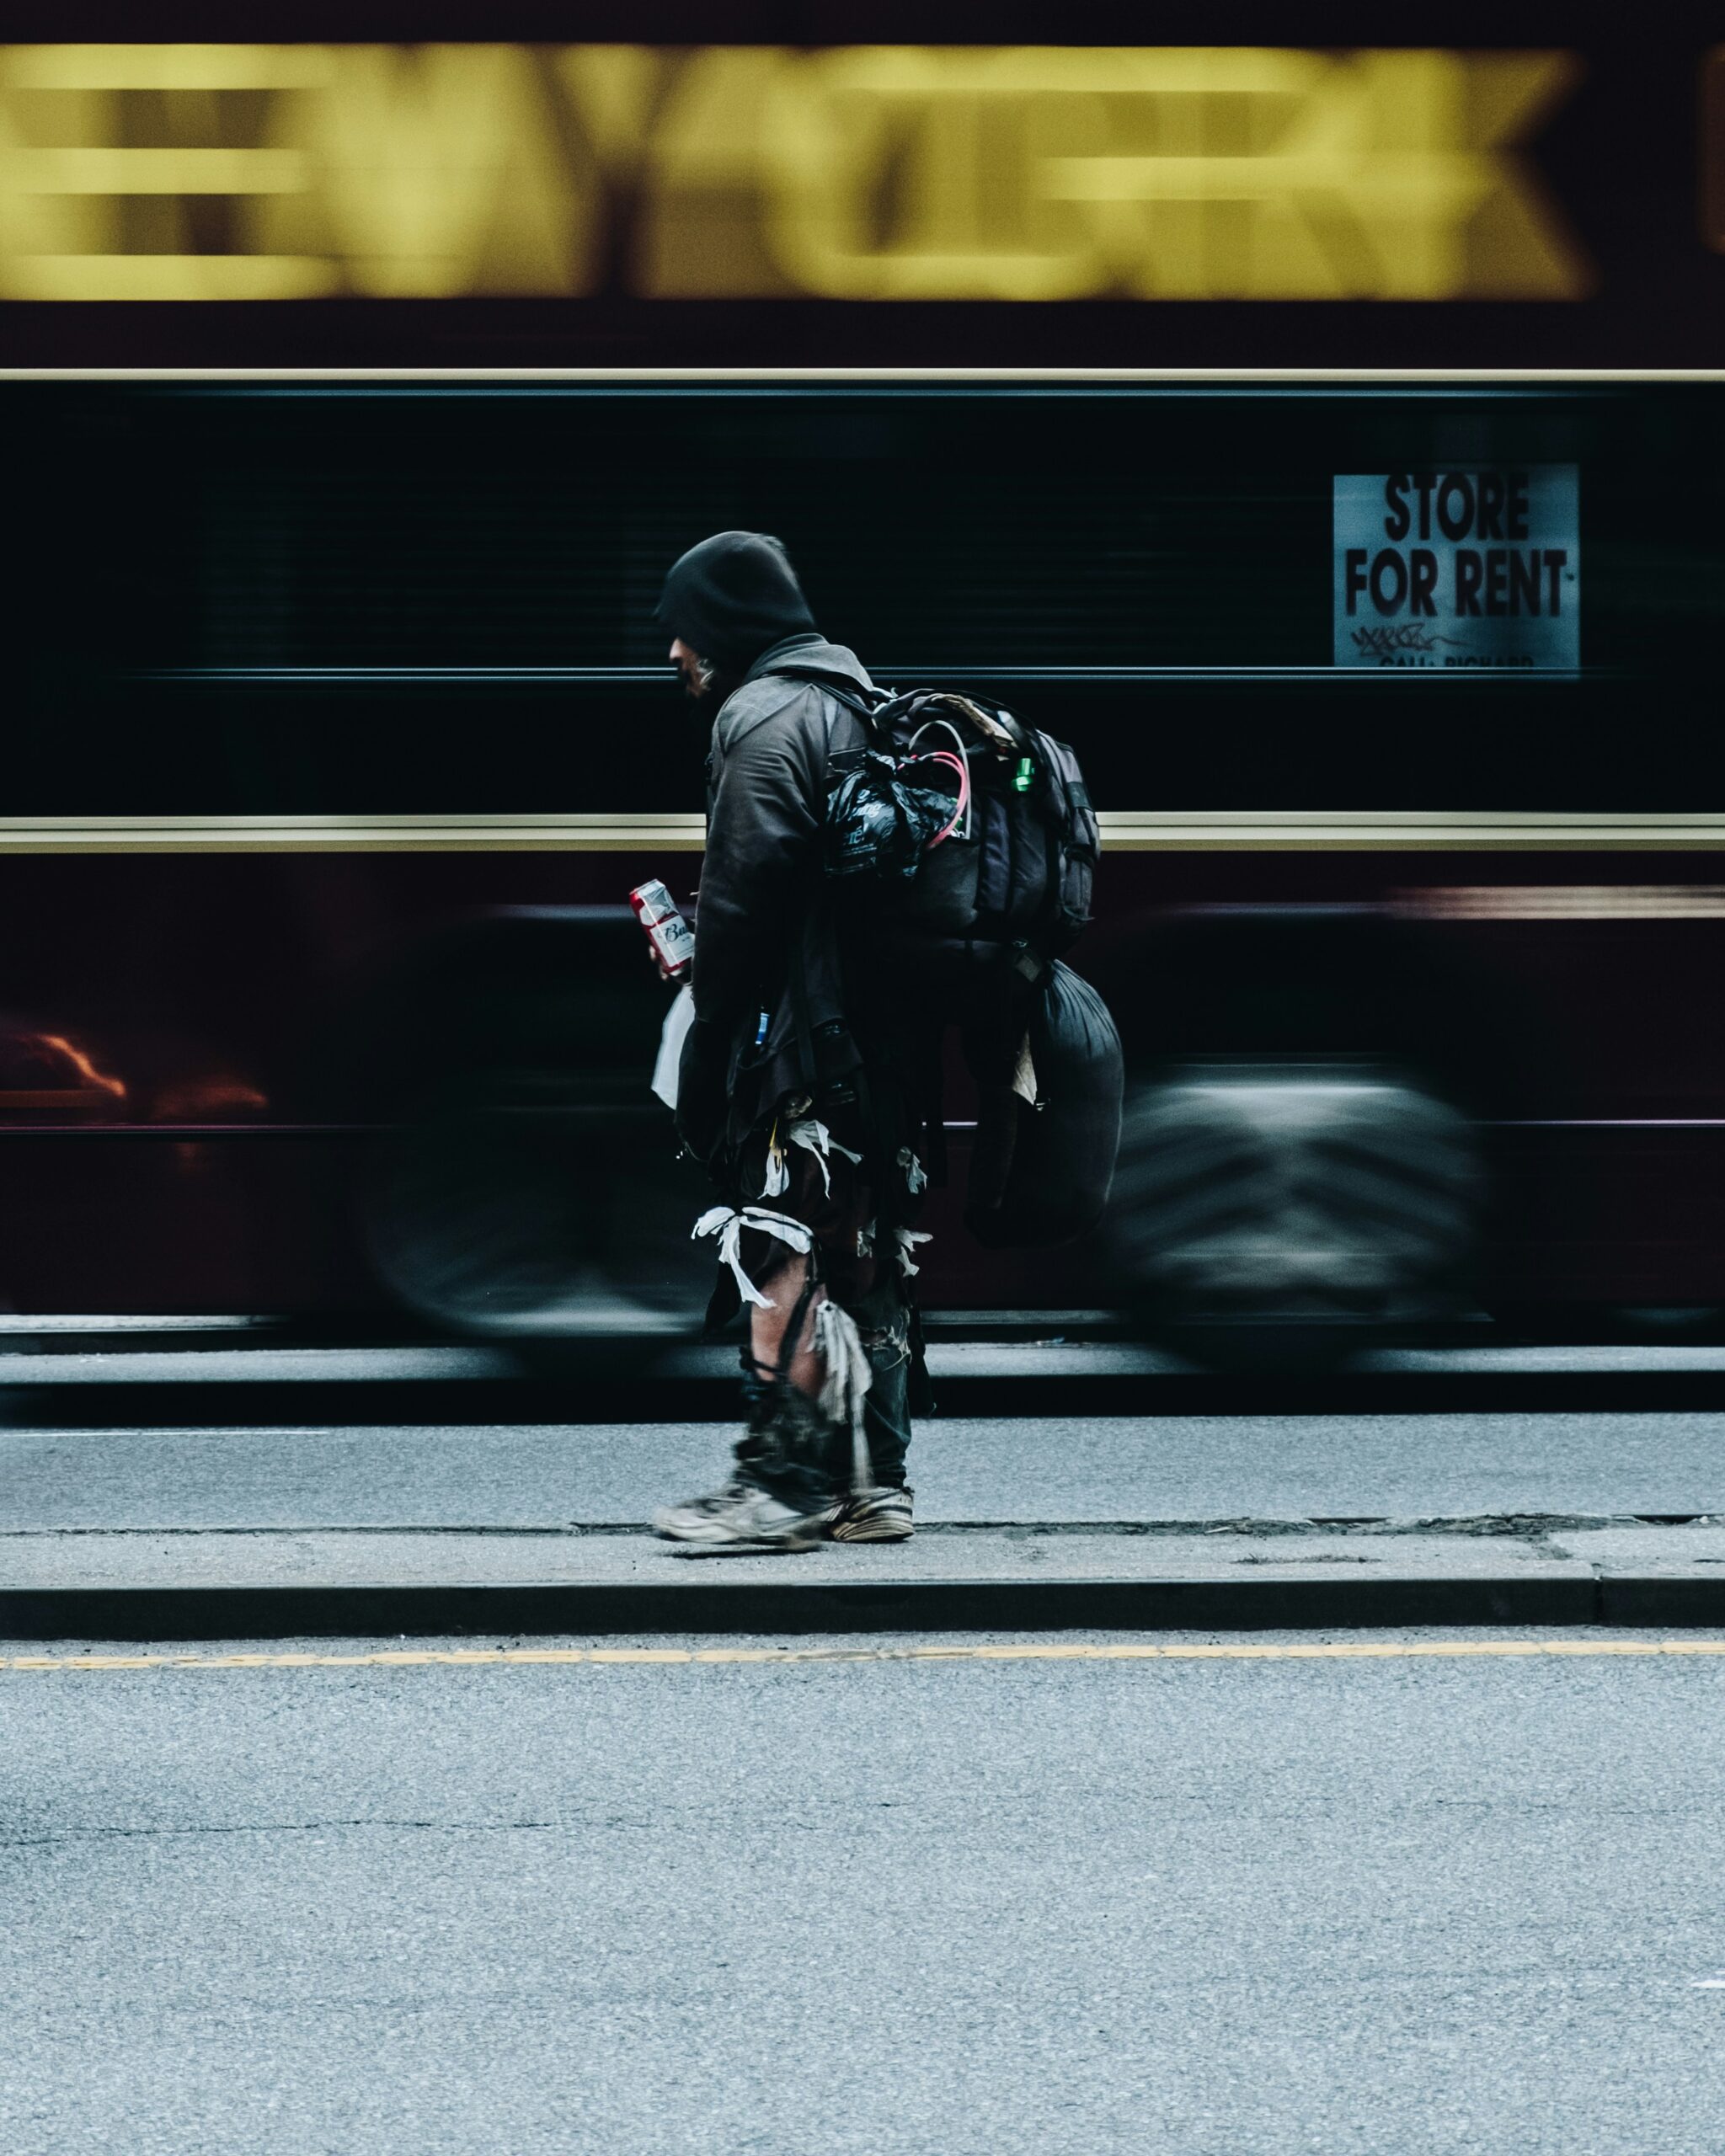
x,y
798,985
793,1339
874,705
851,694
920,1399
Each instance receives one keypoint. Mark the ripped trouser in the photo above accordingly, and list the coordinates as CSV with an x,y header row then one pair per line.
x,y
807,1234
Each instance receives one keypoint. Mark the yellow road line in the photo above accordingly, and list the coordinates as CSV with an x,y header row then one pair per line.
x,y
563,1657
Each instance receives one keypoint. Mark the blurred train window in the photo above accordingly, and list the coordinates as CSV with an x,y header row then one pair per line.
x,y
950,534
234,598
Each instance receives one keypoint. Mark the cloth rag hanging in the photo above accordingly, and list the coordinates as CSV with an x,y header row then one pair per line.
x,y
848,1376
731,1222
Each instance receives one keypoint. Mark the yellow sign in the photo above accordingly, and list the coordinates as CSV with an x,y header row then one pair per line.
x,y
211,172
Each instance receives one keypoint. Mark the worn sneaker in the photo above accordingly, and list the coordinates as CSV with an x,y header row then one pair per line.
x,y
879,1515
743,1511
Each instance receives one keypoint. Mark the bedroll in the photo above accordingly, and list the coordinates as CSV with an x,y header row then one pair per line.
x,y
1041,1175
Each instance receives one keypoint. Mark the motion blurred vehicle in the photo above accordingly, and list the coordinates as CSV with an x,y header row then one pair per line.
x,y
341,730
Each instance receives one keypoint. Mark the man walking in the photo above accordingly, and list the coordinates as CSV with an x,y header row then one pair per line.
x,y
799,1076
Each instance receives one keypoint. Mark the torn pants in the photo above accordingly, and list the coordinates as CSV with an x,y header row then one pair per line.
x,y
807,1198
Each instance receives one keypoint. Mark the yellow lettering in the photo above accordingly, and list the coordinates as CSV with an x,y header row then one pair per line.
x,y
86,213
1221,174
40,229
610,91
701,234
612,87
436,171
871,172
903,172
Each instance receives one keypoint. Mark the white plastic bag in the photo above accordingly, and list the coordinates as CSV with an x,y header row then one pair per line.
x,y
677,1021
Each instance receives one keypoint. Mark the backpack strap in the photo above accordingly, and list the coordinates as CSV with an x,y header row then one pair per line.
x,y
876,706
798,985
1077,817
851,694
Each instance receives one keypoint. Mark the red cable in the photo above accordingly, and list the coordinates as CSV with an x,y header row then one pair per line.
x,y
959,764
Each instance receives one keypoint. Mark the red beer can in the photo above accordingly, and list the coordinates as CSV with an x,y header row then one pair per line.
x,y
670,936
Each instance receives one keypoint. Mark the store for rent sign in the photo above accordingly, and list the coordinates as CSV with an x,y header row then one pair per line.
x,y
1458,569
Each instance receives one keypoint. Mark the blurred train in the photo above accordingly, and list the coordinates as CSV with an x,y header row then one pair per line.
x,y
339,729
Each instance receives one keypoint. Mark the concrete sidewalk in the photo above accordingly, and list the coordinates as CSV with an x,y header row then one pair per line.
x,y
1183,1521
221,1583
1079,1472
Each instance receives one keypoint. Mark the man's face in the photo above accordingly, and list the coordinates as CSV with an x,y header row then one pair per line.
x,y
696,673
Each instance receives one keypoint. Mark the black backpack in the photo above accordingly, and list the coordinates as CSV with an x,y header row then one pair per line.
x,y
969,836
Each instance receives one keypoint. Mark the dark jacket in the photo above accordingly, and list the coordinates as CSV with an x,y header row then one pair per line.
x,y
766,940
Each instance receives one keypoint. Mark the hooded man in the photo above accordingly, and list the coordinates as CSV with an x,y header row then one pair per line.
x,y
796,1075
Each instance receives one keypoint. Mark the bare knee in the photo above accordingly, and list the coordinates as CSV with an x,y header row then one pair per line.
x,y
768,1328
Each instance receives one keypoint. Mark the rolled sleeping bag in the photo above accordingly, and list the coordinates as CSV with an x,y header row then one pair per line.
x,y
1057,1156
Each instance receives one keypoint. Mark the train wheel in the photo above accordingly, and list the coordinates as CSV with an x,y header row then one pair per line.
x,y
1268,1217
514,1224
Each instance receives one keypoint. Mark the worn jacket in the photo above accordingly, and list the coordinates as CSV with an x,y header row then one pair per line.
x,y
778,1008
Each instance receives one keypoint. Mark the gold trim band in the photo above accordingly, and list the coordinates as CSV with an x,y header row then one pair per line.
x,y
429,833
1195,831
1397,830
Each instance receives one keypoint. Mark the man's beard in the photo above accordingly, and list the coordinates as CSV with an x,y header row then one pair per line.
x,y
711,686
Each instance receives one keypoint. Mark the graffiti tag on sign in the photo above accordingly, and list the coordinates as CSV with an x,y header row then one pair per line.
x,y
1458,569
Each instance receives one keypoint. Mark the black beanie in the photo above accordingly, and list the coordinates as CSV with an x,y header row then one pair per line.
x,y
733,597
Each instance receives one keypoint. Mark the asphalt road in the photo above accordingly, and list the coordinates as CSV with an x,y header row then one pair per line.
x,y
1079,1470
1217,1907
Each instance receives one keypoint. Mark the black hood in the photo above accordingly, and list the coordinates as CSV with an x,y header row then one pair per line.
x,y
733,597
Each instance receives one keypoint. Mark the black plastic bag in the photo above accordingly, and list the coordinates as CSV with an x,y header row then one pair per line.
x,y
877,824
1041,1175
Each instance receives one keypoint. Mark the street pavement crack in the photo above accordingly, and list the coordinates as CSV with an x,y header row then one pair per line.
x,y
1514,1524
